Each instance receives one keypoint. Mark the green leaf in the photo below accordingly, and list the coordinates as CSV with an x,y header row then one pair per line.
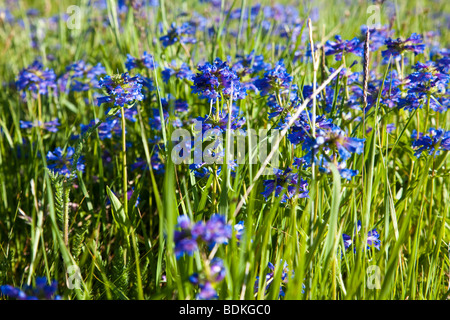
x,y
119,215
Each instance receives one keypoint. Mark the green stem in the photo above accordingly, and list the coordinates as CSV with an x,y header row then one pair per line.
x,y
65,215
124,162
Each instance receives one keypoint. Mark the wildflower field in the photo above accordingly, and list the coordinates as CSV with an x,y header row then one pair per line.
x,y
220,149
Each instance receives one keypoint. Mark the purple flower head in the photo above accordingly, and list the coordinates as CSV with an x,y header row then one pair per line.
x,y
181,34
250,64
179,106
336,140
432,143
41,291
145,61
274,80
155,160
107,130
220,120
341,47
121,89
84,76
192,235
373,238
324,166
185,242
396,47
239,229
215,80
61,162
285,181
207,292
427,79
51,126
182,72
378,36
270,278
301,128
36,79
218,271
217,230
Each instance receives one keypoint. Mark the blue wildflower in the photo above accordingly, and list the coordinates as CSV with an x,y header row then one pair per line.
x,y
51,126
145,61
61,162
270,277
274,80
341,47
215,80
41,291
334,139
106,130
433,142
373,238
395,47
36,79
121,89
285,181
214,231
182,72
155,160
84,76
180,34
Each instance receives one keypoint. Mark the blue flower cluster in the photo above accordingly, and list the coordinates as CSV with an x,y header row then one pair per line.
x,y
192,235
208,282
285,182
121,89
217,80
50,126
146,61
61,162
274,80
41,291
340,47
83,76
180,34
431,143
37,80
182,72
270,277
395,47
373,238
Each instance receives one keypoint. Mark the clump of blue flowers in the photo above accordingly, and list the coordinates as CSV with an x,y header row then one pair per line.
x,y
216,80
432,142
192,235
396,47
207,281
285,181
61,162
121,89
145,61
50,126
41,291
37,80
340,47
373,238
182,34
274,80
270,277
84,76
